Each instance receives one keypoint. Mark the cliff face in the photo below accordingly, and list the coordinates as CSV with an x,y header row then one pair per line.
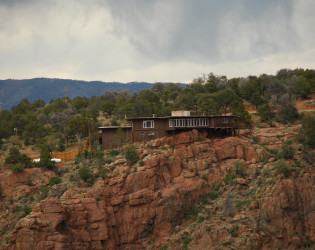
x,y
141,209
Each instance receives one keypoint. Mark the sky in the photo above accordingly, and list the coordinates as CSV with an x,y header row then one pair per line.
x,y
154,40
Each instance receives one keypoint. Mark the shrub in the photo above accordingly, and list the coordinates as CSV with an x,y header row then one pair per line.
x,y
54,180
288,114
307,132
17,168
114,152
192,214
16,157
213,195
240,169
283,168
141,163
131,154
256,139
264,112
85,173
287,150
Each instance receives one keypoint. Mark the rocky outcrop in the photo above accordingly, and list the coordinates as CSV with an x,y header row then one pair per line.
x,y
131,210
15,185
287,217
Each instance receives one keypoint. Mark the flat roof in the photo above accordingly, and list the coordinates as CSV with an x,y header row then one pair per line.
x,y
123,127
170,117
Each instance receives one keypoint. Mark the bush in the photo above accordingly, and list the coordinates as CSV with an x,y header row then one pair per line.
x,y
55,180
283,168
131,154
16,157
288,114
307,132
114,152
264,112
86,175
17,168
240,169
287,150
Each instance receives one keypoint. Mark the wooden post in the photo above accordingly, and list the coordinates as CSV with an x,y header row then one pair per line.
x,y
90,140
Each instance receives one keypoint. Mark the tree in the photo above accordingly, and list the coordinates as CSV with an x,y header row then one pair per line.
x,y
158,88
228,100
307,132
264,112
120,138
45,158
208,104
16,157
288,113
78,125
302,86
108,107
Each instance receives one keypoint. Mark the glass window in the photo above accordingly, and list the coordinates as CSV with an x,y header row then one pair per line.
x,y
170,123
225,120
151,133
148,124
141,133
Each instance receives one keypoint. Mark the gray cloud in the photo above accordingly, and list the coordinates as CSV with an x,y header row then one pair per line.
x,y
153,40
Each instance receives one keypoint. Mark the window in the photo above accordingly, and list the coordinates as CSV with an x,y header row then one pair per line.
x,y
141,133
148,124
225,120
151,133
170,123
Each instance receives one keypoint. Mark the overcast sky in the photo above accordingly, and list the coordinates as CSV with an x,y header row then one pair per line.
x,y
154,40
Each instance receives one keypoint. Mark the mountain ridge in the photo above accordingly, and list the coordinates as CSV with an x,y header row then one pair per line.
x,y
12,91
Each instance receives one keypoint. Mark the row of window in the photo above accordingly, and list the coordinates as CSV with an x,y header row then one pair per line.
x,y
190,122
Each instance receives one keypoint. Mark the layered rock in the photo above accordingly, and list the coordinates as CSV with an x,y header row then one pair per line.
x,y
127,209
15,185
287,217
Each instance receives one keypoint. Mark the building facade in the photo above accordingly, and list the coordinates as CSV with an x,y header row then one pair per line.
x,y
150,128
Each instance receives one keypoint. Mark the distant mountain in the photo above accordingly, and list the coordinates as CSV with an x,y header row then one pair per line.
x,y
13,91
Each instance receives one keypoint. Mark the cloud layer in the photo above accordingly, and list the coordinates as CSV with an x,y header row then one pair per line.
x,y
140,40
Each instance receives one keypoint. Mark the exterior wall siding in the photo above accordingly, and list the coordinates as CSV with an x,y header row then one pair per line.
x,y
151,128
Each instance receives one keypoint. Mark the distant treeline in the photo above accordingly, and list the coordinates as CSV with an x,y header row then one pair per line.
x,y
39,122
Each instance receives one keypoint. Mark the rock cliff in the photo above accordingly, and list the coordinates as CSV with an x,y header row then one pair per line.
x,y
143,206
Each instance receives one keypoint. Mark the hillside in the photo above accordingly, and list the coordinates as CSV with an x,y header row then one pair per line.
x,y
185,192
13,91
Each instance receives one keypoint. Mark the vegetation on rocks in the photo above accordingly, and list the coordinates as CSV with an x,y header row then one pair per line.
x,y
246,191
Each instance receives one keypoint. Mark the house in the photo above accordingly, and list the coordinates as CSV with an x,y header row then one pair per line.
x,y
150,128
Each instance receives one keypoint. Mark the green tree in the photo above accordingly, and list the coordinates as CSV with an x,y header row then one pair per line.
x,y
208,104
45,158
228,100
108,107
120,138
79,125
307,132
302,86
264,112
16,157
287,114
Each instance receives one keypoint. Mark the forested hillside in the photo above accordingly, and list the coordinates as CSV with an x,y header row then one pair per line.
x,y
273,97
252,190
46,89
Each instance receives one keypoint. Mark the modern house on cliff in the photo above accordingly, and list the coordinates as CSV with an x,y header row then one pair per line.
x,y
150,128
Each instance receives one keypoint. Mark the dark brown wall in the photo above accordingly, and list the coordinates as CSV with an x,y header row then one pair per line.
x,y
146,134
108,135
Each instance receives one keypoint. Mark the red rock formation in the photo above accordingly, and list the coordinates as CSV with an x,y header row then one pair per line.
x,y
119,212
14,185
287,217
